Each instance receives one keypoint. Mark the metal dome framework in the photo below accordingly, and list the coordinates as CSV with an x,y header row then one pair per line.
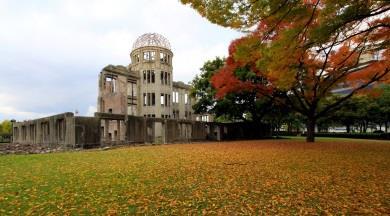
x,y
151,39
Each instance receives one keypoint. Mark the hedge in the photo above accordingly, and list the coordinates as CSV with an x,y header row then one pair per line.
x,y
380,136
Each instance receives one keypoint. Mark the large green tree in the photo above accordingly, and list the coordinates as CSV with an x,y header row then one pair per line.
x,y
384,106
303,49
363,110
235,106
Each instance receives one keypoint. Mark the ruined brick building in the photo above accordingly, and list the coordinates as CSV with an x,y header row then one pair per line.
x,y
145,87
137,103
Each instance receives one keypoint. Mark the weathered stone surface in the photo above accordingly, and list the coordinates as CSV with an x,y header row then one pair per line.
x,y
13,148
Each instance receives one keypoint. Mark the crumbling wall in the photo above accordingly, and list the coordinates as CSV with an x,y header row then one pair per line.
x,y
51,132
199,131
87,132
136,129
67,131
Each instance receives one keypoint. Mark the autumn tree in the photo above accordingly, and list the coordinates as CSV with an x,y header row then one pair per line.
x,y
303,50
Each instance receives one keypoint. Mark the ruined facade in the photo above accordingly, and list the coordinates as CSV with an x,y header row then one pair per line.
x,y
68,131
145,87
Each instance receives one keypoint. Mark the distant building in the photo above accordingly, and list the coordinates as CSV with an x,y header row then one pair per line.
x,y
364,61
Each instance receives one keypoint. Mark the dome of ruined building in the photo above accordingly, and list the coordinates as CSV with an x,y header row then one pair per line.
x,y
151,39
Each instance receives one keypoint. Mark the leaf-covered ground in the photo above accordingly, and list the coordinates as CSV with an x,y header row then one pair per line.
x,y
241,177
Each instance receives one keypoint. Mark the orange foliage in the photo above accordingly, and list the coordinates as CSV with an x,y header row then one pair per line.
x,y
266,177
287,61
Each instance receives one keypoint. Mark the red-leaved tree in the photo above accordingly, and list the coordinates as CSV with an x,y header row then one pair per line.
x,y
304,50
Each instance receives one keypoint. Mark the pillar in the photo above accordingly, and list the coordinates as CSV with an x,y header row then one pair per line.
x,y
118,123
106,128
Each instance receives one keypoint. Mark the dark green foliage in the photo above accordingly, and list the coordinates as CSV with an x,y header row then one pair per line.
x,y
361,111
238,106
202,89
380,136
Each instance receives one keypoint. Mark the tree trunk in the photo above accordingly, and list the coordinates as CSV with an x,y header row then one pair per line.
x,y
365,125
348,128
311,125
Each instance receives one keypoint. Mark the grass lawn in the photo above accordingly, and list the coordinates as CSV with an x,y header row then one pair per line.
x,y
241,177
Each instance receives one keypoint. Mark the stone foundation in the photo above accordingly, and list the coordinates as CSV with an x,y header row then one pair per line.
x,y
66,131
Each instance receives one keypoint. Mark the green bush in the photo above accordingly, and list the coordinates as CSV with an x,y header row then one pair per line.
x,y
381,136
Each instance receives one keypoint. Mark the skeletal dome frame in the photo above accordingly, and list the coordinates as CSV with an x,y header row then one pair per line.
x,y
151,39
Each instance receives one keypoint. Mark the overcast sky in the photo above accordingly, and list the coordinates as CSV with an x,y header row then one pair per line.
x,y
51,52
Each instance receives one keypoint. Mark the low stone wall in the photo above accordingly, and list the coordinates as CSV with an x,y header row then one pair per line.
x,y
68,131
51,132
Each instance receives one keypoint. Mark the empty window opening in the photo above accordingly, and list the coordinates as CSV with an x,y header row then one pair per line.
x,y
149,55
32,132
146,56
24,133
185,98
163,58
162,99
61,129
175,97
152,55
110,84
153,99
